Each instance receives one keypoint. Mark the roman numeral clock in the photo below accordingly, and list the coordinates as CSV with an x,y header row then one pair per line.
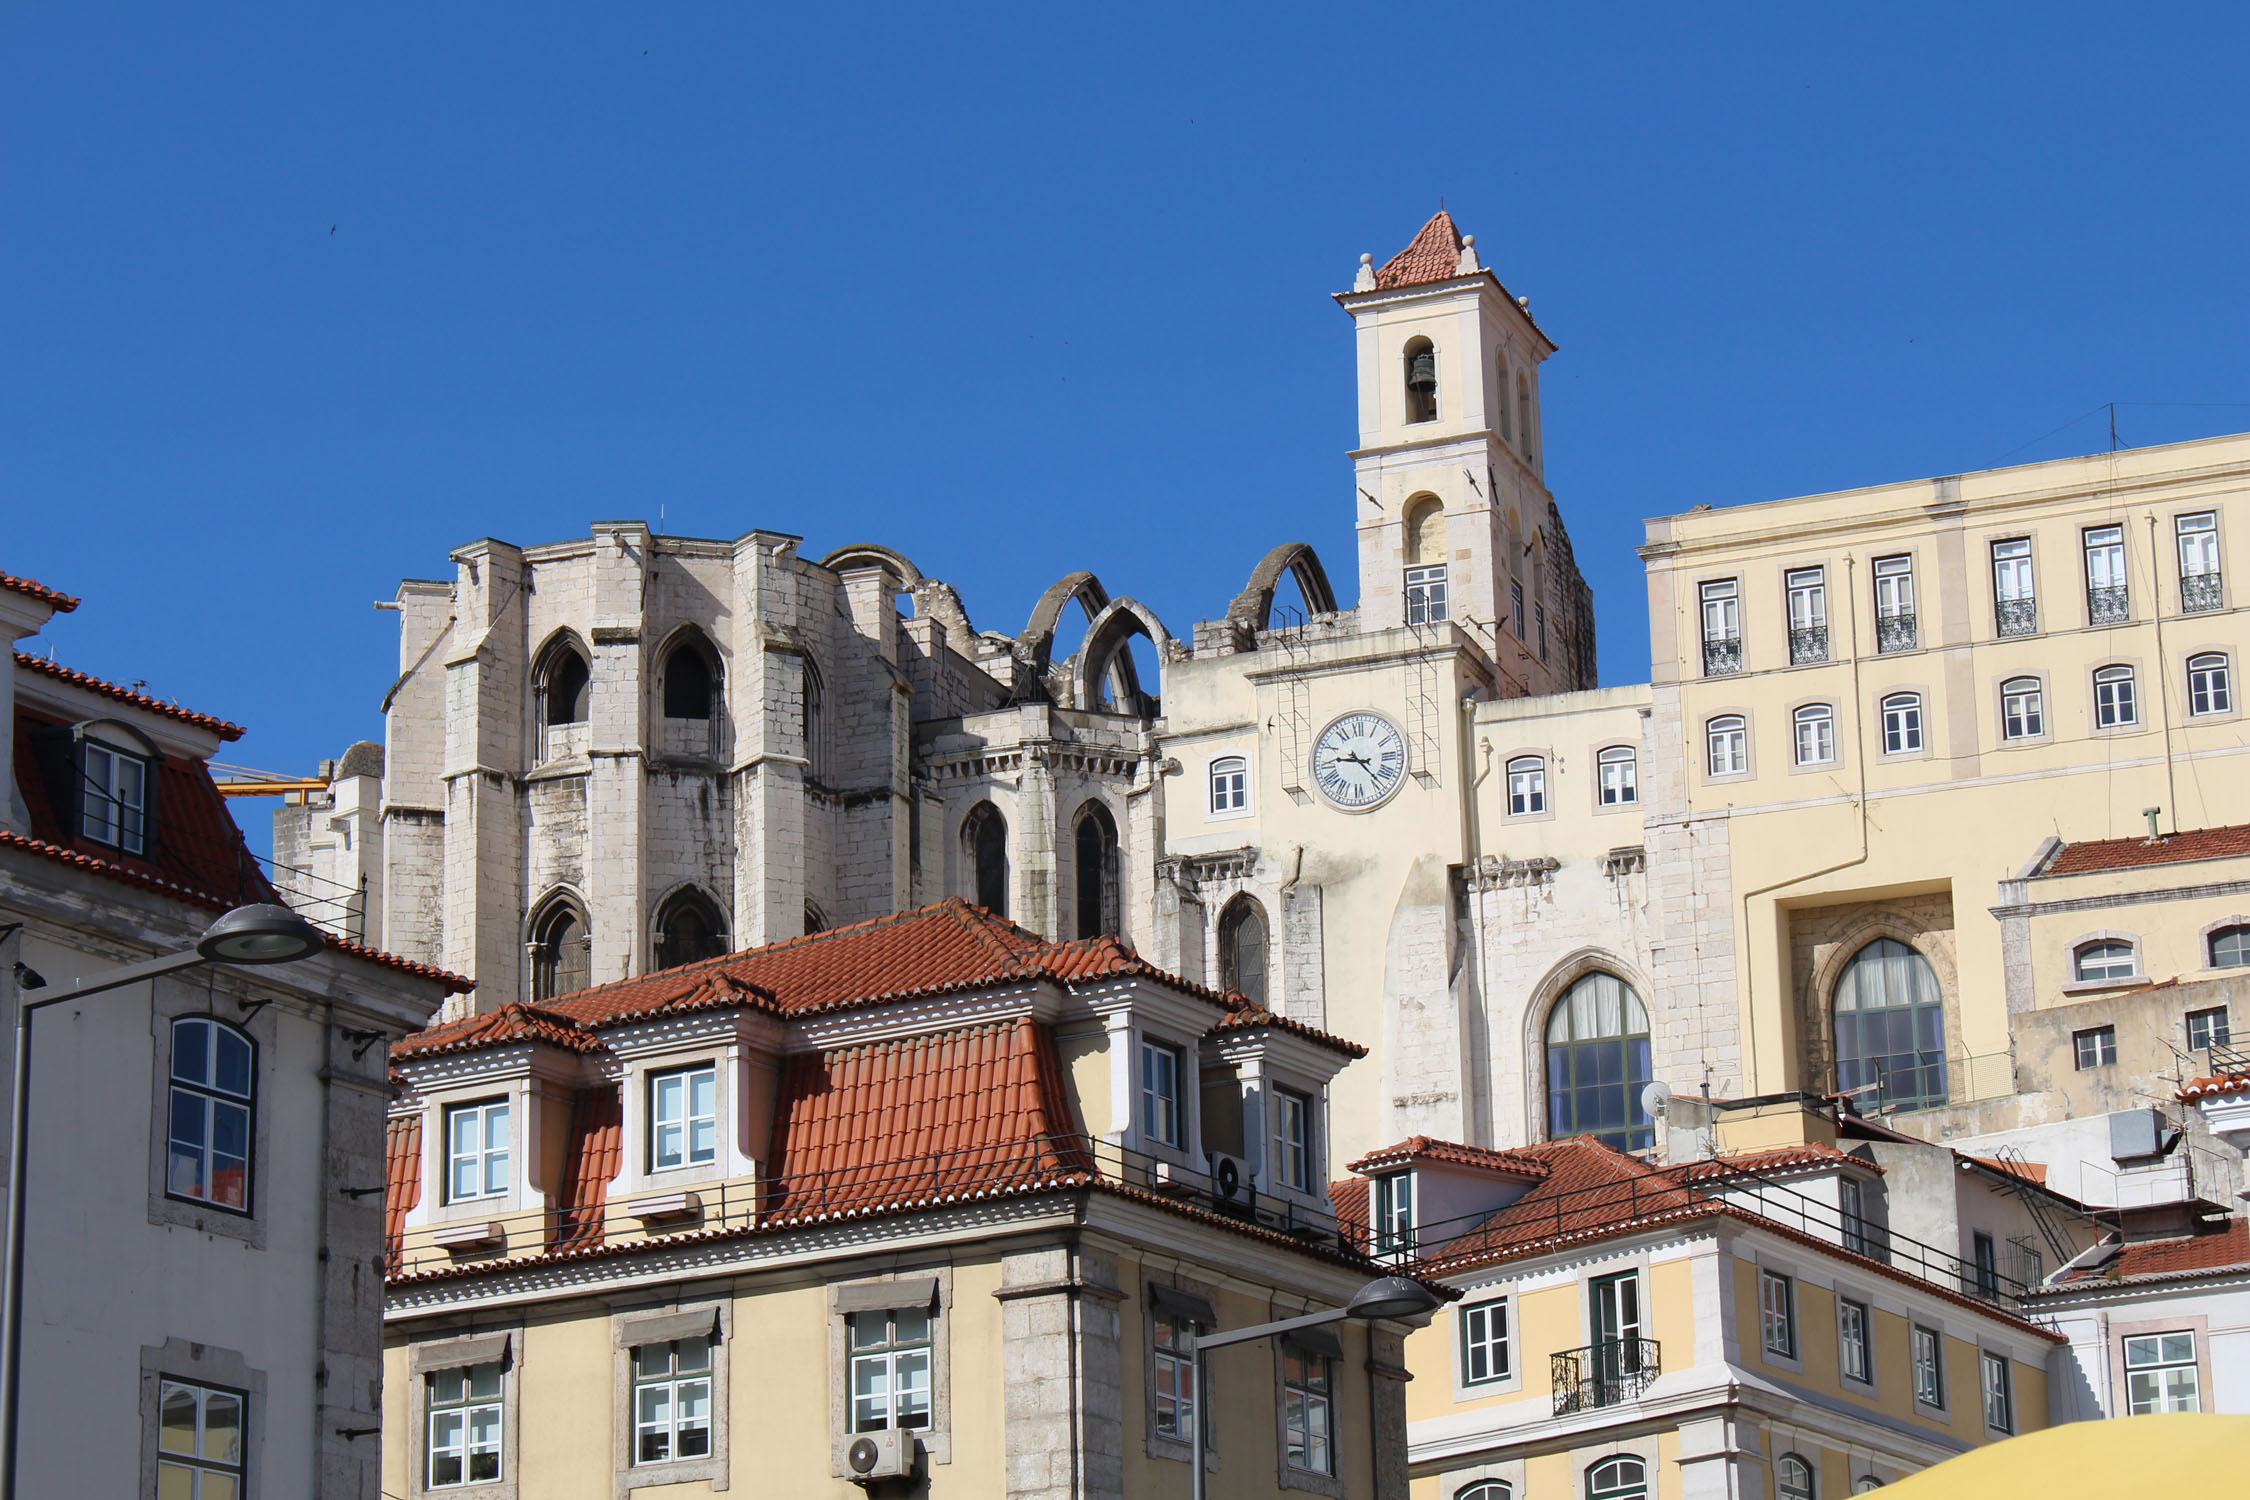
x,y
1359,761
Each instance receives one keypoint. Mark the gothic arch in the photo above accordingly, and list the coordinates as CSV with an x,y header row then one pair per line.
x,y
1097,868
1255,602
1105,651
557,920
1816,1014
1540,1004
1038,637
554,656
940,602
693,638
690,921
869,555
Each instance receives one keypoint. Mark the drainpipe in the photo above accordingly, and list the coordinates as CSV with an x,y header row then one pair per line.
x,y
1750,1029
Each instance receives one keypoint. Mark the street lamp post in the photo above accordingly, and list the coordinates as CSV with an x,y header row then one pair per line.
x,y
246,935
1385,1297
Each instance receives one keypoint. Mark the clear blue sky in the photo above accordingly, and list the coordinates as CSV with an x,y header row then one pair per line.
x,y
297,300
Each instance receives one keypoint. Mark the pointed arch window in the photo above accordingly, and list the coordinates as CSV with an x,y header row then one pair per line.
x,y
1598,1061
814,727
1890,1029
690,682
815,920
561,953
563,687
689,928
984,843
1097,865
1242,948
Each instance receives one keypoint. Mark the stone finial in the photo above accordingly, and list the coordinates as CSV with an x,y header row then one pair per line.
x,y
1365,280
1468,264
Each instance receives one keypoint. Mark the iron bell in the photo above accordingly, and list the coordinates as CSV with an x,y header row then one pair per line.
x,y
1421,375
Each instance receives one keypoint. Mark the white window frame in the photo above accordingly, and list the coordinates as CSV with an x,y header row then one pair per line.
x,y
1722,610
1515,607
1293,1138
1619,771
1425,594
1808,597
207,1102
487,1158
893,1356
1483,1333
1793,1483
1854,1350
1163,1078
2156,1363
1926,1356
1308,1411
465,1407
2105,557
1393,1195
1228,784
114,801
2116,698
2012,575
1173,1361
2108,973
675,1381
1527,786
2210,683
1894,585
2094,1047
1851,1198
2023,709
1902,724
1732,733
681,1123
2198,536
193,1459
1819,720
1777,1312
2216,1028
1997,1383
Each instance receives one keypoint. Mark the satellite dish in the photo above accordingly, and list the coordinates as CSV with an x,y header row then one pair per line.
x,y
863,1455
1653,1099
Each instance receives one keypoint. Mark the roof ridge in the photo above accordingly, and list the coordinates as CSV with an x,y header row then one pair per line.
x,y
218,726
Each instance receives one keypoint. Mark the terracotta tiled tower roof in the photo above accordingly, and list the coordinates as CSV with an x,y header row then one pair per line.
x,y
1434,254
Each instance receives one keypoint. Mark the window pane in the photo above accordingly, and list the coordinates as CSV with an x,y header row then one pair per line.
x,y
484,1380
176,1419
233,1063
191,1048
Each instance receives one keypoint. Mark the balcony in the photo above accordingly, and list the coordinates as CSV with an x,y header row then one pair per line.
x,y
2200,591
1807,644
2019,616
1722,656
2107,604
1895,631
1603,1374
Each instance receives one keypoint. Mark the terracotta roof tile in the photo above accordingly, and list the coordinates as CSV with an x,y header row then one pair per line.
x,y
143,701
1812,1154
1349,1199
1427,1148
1434,254
55,599
2129,853
2029,1171
402,1177
590,1163
512,1023
2214,1251
2216,1084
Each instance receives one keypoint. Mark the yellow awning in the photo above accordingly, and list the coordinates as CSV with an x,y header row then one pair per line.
x,y
2179,1454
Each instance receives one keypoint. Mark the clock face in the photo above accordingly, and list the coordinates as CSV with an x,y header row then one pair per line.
x,y
1359,760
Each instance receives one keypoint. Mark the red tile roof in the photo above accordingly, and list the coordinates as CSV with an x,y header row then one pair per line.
x,y
590,1162
948,948
402,1176
2217,1083
2029,1171
956,1114
2129,853
55,599
1349,1199
1434,254
2210,1253
1452,1153
143,701
1810,1155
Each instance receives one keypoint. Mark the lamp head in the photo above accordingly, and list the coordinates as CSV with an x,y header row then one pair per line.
x,y
260,935
1393,1297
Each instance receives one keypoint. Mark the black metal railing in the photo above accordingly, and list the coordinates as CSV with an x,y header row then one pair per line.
x,y
1895,631
1722,655
2200,591
1807,644
2019,616
2108,604
1607,1374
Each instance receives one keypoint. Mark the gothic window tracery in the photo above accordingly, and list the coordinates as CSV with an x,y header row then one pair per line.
x,y
689,928
984,843
561,951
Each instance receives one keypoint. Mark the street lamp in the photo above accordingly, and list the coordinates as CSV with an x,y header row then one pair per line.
x,y
246,935
1384,1297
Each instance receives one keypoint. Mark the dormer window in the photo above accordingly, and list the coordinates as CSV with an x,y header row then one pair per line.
x,y
116,792
1394,1215
1292,1139
476,1149
101,781
684,1117
1160,1094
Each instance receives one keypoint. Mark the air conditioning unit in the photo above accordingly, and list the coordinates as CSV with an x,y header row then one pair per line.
x,y
888,1454
1230,1176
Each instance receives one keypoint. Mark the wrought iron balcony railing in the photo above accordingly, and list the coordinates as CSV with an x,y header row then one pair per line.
x,y
1895,631
2200,591
1722,655
1807,644
2108,604
2019,616
1601,1375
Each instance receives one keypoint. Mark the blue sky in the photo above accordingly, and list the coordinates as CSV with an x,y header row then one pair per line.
x,y
301,298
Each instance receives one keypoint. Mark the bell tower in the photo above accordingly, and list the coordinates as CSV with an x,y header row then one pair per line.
x,y
1454,518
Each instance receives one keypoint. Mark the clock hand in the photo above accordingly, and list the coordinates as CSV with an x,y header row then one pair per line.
x,y
1358,760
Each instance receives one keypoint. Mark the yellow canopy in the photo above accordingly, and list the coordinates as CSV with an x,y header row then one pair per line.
x,y
2177,1454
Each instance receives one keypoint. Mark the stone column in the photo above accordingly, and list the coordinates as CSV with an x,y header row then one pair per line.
x,y
1062,1366
486,704
616,828
765,703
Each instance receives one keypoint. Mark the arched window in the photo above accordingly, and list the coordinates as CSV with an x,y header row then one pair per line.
x,y
2114,704
984,841
2210,684
1425,562
2023,709
1097,871
1726,741
1902,723
1620,776
1816,734
2230,947
1523,414
689,928
1421,381
1500,397
1230,785
1598,1063
815,920
561,953
1242,948
1866,1484
214,1089
1485,1489
1617,1479
815,730
1890,1028
1793,1477
2103,959
1527,786
691,682
562,691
